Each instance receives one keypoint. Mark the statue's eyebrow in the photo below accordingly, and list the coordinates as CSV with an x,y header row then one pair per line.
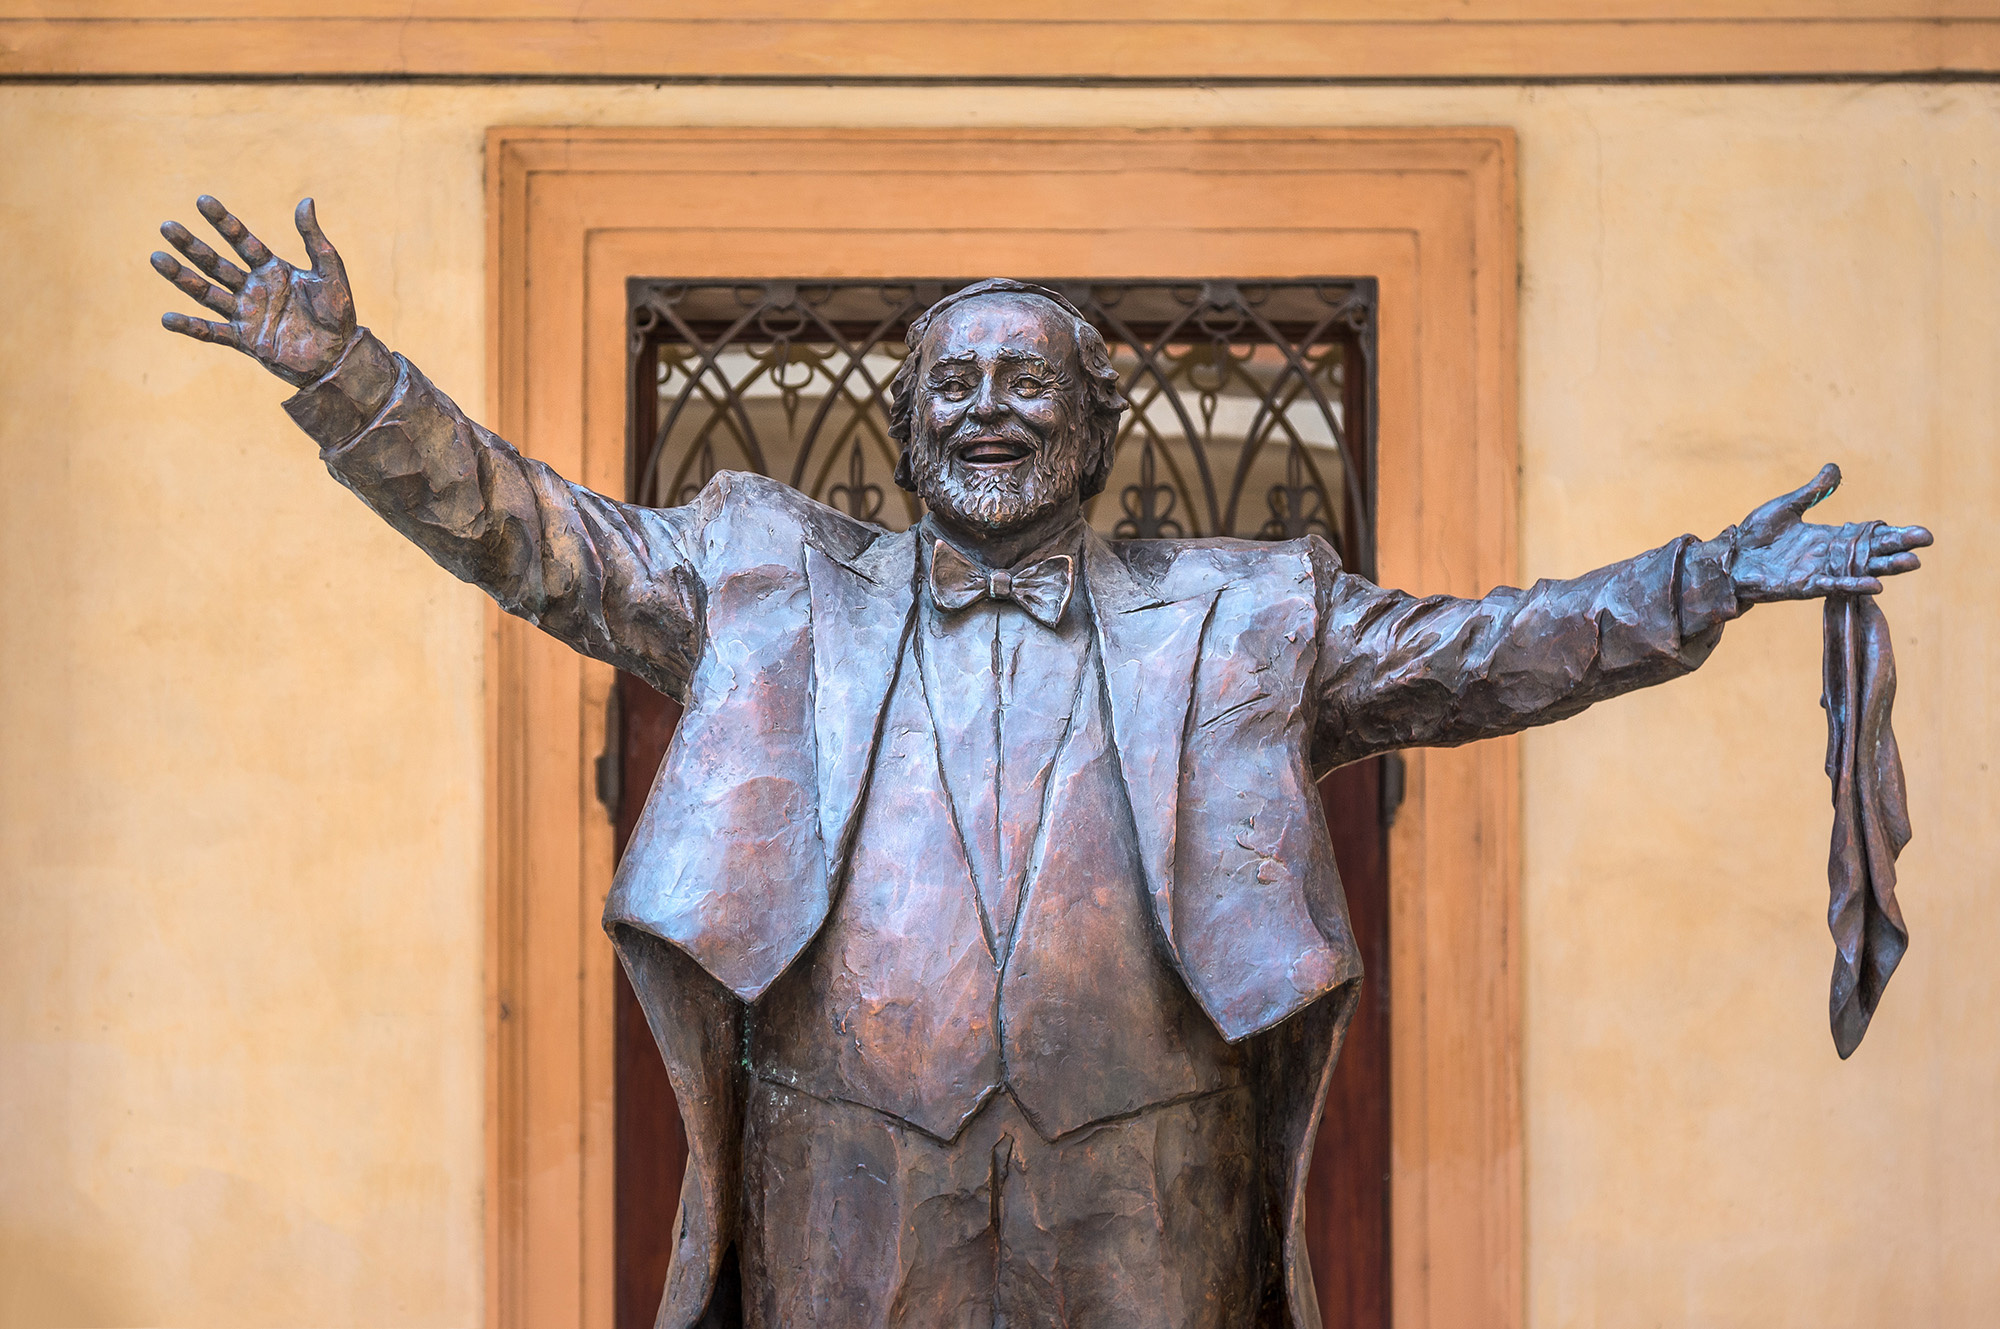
x,y
1031,359
1005,353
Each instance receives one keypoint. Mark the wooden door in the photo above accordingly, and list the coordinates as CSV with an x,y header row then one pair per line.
x,y
1251,415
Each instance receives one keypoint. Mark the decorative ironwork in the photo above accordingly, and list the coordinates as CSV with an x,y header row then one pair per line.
x,y
1251,401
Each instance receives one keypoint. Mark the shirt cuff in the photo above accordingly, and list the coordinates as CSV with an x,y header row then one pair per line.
x,y
347,398
1707,588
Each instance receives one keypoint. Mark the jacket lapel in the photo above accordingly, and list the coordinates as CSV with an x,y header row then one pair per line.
x,y
862,609
1149,644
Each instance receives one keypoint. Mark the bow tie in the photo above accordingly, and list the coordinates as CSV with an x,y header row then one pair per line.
x,y
1041,588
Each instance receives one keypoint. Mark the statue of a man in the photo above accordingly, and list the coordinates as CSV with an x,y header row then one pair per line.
x,y
984,909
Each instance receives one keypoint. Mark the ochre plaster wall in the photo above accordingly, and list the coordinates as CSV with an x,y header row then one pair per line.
x,y
241,781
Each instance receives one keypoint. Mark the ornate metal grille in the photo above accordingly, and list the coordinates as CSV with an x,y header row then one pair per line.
x,y
1251,401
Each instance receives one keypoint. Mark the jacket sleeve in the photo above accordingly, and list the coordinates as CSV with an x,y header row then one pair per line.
x,y
1402,671
614,581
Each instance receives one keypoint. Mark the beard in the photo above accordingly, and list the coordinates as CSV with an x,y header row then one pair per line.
x,y
998,501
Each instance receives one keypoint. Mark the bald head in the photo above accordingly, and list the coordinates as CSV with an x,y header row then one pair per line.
x,y
1003,323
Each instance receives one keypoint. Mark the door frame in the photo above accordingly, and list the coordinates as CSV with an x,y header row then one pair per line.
x,y
1431,213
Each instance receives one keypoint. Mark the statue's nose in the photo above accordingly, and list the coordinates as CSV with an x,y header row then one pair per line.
x,y
985,402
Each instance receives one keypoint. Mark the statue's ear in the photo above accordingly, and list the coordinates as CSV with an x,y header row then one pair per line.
x,y
905,476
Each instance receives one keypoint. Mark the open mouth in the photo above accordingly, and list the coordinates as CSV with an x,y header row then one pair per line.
x,y
992,451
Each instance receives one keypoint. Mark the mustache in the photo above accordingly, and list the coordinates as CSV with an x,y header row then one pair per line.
x,y
973,433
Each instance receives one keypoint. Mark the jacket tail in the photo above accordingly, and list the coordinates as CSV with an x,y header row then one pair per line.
x,y
1295,1064
698,1025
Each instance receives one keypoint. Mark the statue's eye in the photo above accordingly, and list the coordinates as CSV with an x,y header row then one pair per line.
x,y
1027,385
952,389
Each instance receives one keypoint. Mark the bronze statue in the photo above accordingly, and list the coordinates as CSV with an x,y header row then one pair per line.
x,y
983,909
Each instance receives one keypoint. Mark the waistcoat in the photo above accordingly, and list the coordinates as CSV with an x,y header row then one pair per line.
x,y
906,1004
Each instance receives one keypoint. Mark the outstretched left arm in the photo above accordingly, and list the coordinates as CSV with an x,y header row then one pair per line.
x,y
1400,671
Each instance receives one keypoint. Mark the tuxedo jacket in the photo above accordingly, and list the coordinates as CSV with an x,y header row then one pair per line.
x,y
1236,672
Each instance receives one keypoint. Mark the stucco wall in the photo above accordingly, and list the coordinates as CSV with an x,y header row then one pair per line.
x,y
241,778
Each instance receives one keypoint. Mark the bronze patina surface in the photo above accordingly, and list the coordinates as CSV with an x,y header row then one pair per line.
x,y
984,910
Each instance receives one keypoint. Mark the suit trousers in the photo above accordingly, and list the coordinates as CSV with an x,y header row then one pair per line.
x,y
853,1219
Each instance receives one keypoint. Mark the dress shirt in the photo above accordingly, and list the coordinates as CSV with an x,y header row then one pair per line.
x,y
1001,689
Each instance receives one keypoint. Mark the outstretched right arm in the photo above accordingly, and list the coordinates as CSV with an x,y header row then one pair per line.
x,y
611,580
614,581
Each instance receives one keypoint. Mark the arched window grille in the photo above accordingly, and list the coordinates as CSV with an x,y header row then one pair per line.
x,y
1252,401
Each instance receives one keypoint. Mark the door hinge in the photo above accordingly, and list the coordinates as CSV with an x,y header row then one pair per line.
x,y
611,761
1394,772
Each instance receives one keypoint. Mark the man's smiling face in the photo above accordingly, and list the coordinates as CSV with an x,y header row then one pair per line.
x,y
996,437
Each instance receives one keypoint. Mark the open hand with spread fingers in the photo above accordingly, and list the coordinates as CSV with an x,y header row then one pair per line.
x,y
1782,556
296,322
